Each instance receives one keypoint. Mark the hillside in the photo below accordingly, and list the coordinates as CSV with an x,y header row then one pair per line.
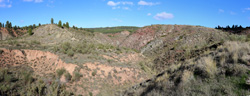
x,y
6,33
224,71
63,61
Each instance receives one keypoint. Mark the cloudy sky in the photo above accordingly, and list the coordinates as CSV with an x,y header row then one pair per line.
x,y
103,13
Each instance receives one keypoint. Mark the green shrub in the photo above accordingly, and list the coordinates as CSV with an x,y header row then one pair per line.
x,y
60,72
67,76
90,94
70,52
27,77
77,76
248,38
30,31
94,72
65,47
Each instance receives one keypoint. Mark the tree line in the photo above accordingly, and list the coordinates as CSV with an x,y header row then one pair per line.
x,y
236,29
29,28
60,23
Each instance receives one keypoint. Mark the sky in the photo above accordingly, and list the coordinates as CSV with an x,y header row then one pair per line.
x,y
108,13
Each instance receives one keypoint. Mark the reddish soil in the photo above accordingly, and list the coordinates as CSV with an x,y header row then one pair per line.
x,y
42,62
5,34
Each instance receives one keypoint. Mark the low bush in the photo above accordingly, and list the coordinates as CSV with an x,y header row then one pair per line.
x,y
77,76
67,76
60,72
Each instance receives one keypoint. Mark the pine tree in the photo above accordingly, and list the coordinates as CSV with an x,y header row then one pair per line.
x,y
67,24
233,27
52,21
7,24
60,23
0,25
15,27
64,25
10,25
39,24
240,27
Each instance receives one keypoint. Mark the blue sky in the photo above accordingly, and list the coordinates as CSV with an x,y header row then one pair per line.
x,y
103,13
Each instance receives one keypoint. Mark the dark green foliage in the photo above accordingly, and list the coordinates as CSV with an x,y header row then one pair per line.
x,y
30,31
235,29
94,72
67,24
15,27
67,76
52,21
90,94
8,24
70,52
74,27
77,76
64,25
60,72
60,23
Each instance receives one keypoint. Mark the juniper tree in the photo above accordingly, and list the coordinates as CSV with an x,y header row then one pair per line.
x,y
52,21
60,23
67,24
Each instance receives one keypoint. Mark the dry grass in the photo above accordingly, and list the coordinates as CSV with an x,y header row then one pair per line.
x,y
220,72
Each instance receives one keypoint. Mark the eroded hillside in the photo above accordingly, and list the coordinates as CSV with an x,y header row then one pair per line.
x,y
64,61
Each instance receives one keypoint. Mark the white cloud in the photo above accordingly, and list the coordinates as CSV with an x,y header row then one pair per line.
x,y
248,9
36,1
112,3
118,7
221,11
125,8
50,4
144,3
149,14
5,3
127,3
163,16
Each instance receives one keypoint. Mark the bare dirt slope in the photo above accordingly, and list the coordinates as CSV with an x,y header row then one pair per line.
x,y
96,77
10,33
